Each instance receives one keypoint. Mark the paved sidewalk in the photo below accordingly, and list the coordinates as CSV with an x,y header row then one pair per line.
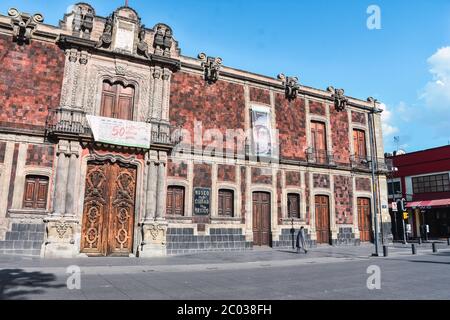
x,y
260,257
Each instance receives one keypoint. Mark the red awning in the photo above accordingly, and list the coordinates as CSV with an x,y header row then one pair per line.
x,y
429,203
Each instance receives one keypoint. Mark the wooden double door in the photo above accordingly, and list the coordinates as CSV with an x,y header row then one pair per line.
x,y
109,205
322,210
261,219
364,219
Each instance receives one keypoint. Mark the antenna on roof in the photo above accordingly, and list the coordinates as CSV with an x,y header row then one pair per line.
x,y
397,142
126,3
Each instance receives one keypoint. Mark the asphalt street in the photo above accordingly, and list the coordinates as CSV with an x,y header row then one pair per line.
x,y
323,273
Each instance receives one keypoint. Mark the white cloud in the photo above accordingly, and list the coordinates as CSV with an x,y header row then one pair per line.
x,y
437,92
386,120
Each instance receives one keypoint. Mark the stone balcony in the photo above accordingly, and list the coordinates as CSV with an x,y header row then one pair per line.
x,y
320,157
63,123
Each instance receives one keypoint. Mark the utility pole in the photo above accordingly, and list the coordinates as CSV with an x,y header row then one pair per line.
x,y
374,163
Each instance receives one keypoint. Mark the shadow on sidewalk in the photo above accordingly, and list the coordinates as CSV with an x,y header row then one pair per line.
x,y
16,283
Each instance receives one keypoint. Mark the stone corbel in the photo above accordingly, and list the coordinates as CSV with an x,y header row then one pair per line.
x,y
340,100
211,67
24,25
291,86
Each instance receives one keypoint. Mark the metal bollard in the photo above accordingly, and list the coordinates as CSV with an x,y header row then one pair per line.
x,y
413,248
385,251
434,247
420,240
448,241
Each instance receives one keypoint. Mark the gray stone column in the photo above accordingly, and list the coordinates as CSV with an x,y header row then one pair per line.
x,y
59,204
161,191
71,185
152,180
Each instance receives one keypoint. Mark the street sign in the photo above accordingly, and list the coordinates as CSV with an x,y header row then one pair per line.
x,y
394,206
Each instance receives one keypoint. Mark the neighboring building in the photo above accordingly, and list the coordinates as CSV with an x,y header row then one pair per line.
x,y
423,179
73,182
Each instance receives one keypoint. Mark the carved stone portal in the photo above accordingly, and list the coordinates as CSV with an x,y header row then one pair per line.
x,y
153,239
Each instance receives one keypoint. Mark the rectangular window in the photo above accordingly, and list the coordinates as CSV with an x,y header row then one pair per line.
x,y
35,193
117,101
433,183
319,141
226,203
293,205
394,188
175,201
359,144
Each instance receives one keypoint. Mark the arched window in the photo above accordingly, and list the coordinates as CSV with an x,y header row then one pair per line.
x,y
175,201
35,193
117,101
226,203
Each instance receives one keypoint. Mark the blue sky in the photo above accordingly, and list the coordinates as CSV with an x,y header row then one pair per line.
x,y
405,64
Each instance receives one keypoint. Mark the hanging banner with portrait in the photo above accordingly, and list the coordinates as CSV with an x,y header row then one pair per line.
x,y
262,133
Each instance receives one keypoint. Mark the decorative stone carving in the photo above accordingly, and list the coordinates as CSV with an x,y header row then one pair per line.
x,y
291,86
61,237
84,57
61,228
83,20
23,25
106,38
153,238
340,100
211,67
142,47
163,40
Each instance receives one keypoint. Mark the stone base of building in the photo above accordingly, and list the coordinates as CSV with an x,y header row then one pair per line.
x,y
183,240
24,239
288,237
346,237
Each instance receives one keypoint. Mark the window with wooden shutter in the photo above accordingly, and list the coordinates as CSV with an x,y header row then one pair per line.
x,y
293,205
226,203
319,141
175,201
117,101
359,144
35,193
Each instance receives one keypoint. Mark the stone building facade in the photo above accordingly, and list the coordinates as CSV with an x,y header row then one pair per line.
x,y
235,160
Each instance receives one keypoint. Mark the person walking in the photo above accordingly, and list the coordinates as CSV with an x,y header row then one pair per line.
x,y
301,240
